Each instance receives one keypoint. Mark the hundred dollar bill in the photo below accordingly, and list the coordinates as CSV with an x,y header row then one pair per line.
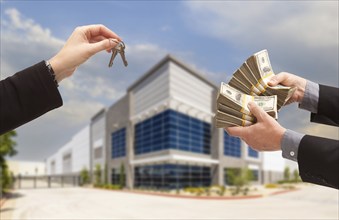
x,y
221,116
261,68
225,109
237,100
219,123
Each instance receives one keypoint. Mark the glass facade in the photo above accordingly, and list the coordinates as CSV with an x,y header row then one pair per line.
x,y
171,176
232,146
255,174
119,143
115,177
172,130
252,153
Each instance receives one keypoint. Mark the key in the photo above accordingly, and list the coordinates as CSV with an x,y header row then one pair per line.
x,y
114,54
122,54
119,48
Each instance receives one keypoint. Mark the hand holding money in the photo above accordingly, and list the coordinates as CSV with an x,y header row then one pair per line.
x,y
253,75
250,83
232,107
288,79
264,135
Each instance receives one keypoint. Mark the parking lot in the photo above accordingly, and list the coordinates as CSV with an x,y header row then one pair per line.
x,y
311,202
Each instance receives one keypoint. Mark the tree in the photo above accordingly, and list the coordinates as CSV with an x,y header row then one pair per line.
x,y
295,175
238,177
287,174
122,181
84,175
97,174
7,145
105,175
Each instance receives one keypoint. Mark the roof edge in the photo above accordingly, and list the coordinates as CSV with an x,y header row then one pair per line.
x,y
166,59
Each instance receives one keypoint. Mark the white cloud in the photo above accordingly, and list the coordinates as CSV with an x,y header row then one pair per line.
x,y
75,112
313,24
32,31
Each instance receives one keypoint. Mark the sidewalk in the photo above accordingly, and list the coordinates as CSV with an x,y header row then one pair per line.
x,y
311,202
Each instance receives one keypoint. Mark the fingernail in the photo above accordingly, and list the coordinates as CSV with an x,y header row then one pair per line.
x,y
113,41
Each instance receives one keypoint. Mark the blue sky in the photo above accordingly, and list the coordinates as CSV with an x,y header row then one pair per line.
x,y
214,37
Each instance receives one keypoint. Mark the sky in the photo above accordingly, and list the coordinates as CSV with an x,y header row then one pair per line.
x,y
213,37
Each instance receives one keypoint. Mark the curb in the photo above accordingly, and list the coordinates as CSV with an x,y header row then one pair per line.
x,y
204,197
200,197
283,191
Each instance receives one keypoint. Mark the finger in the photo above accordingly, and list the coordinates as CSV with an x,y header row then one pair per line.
x,y
101,38
97,39
106,44
258,112
279,78
100,30
236,131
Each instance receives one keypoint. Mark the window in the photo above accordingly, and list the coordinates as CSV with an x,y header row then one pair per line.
x,y
172,130
255,175
252,153
115,177
119,143
232,146
171,176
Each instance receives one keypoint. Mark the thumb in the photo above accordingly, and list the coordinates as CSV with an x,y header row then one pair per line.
x,y
106,44
275,80
236,131
258,112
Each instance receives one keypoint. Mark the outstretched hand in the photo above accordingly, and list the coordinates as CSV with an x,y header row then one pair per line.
x,y
84,42
288,79
264,135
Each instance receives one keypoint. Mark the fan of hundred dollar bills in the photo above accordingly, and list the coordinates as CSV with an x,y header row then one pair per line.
x,y
250,83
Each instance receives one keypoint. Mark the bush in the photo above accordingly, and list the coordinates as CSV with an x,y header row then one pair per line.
x,y
222,190
84,176
6,179
271,186
97,174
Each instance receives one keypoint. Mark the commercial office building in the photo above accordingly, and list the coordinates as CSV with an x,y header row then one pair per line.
x,y
72,157
162,132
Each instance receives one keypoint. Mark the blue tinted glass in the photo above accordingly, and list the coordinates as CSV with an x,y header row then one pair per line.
x,y
232,146
170,176
252,153
119,143
172,130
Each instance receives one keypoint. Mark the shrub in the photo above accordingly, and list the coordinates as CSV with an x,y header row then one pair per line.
x,y
97,174
84,176
222,190
271,186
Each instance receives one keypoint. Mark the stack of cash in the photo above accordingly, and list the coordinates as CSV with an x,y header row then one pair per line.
x,y
232,107
250,83
253,76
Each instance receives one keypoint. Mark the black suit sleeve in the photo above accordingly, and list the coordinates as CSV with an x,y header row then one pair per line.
x,y
27,95
328,106
318,158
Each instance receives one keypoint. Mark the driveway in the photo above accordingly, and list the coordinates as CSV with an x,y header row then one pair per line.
x,y
311,202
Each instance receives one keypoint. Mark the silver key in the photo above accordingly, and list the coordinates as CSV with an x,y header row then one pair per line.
x,y
119,48
114,54
122,54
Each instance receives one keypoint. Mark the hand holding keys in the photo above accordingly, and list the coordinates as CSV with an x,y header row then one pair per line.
x,y
119,48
